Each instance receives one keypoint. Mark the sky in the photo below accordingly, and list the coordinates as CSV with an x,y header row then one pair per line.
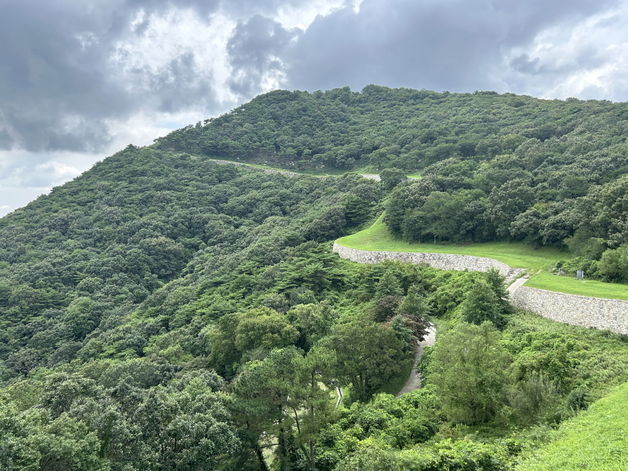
x,y
80,80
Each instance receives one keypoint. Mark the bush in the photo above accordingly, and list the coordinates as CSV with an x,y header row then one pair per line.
x,y
467,368
613,266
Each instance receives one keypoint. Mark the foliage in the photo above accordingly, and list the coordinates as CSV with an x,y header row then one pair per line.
x,y
163,311
466,368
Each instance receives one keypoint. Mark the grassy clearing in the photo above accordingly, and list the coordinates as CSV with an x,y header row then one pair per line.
x,y
514,254
518,255
595,440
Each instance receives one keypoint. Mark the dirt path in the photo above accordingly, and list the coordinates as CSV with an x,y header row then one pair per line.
x,y
414,380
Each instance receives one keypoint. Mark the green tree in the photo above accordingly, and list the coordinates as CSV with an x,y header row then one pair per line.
x,y
613,266
367,355
388,285
313,322
414,304
264,328
468,369
391,177
481,304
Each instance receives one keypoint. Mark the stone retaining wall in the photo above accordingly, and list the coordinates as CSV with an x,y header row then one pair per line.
x,y
443,261
601,313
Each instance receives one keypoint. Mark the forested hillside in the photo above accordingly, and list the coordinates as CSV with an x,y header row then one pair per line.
x,y
164,312
493,167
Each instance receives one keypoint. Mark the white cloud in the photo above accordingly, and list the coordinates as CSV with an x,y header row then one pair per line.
x,y
26,175
586,59
302,15
167,38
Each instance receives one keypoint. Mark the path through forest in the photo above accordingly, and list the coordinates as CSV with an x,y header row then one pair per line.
x,y
414,380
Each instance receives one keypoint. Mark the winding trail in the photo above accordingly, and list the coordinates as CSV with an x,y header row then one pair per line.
x,y
414,380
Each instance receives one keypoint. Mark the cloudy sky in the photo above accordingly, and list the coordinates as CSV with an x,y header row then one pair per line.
x,y
82,79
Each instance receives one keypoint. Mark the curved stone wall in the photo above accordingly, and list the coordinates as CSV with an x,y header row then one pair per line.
x,y
601,313
443,261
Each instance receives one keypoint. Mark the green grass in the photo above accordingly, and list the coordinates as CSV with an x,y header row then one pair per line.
x,y
595,440
518,255
514,254
598,289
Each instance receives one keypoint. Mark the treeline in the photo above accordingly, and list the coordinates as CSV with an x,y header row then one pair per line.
x,y
593,227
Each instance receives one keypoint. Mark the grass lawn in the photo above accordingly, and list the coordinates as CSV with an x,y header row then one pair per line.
x,y
514,254
595,440
594,288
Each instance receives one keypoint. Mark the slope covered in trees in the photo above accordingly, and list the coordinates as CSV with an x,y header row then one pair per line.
x,y
494,167
163,312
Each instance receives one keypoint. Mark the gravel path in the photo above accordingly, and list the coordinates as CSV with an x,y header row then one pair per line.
x,y
414,380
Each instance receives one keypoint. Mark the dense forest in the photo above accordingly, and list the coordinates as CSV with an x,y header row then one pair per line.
x,y
493,167
164,312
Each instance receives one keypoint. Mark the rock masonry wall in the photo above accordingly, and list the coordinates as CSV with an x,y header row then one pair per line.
x,y
585,311
600,313
443,261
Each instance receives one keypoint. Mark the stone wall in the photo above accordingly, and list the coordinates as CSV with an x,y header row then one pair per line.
x,y
601,313
443,261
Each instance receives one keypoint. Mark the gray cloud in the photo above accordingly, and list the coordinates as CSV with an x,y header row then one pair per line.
x,y
58,85
444,45
255,50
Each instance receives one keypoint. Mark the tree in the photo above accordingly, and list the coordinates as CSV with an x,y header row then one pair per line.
x,y
386,307
261,329
468,369
482,304
613,266
313,322
388,285
507,202
187,426
414,304
264,328
266,393
391,177
367,355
